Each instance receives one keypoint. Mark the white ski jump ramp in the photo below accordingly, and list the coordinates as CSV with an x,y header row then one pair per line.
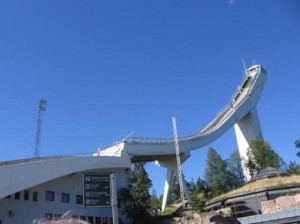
x,y
240,113
243,103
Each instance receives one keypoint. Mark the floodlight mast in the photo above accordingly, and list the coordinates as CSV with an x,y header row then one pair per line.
x,y
41,108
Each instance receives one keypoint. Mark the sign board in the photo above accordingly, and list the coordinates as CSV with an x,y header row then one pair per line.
x,y
96,190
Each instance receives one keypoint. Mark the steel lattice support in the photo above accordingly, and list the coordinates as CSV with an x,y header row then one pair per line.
x,y
178,161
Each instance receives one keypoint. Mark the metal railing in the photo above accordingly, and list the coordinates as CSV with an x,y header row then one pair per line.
x,y
221,117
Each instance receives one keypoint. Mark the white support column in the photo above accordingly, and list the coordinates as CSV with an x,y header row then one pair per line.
x,y
171,171
247,130
171,166
169,177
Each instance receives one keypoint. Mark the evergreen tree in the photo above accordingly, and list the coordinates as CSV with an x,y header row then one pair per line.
x,y
297,144
217,176
265,156
136,199
199,194
235,167
250,164
174,191
201,185
141,185
192,187
154,200
293,168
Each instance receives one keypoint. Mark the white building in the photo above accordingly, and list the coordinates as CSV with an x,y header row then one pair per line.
x,y
49,187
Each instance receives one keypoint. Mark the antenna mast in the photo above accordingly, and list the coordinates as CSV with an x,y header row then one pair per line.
x,y
41,108
178,161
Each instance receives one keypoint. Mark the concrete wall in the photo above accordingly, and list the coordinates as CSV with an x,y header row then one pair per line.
x,y
281,203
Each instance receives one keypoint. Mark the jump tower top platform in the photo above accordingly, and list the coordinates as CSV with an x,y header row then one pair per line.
x,y
240,113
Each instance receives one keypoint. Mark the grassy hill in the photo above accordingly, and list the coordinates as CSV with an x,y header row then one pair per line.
x,y
260,185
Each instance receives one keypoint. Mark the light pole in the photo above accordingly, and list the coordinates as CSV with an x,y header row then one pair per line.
x,y
41,108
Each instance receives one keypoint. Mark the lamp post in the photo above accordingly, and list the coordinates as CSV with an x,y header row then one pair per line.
x,y
41,108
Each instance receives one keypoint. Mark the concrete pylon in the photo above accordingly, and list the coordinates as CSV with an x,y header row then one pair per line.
x,y
171,165
247,130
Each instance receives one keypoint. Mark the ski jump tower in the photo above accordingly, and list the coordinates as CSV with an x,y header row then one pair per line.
x,y
240,112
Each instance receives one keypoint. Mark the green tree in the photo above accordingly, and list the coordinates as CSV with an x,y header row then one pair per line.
x,y
293,168
192,186
235,167
136,199
265,156
154,200
199,194
297,144
141,185
199,186
217,176
250,164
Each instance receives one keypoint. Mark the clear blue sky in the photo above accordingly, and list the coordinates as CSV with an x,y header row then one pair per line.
x,y
108,68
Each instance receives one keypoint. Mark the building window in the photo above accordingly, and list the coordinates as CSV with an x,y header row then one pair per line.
x,y
105,220
57,216
48,216
98,220
35,196
26,195
49,195
17,195
7,197
75,216
91,219
79,199
82,218
65,198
